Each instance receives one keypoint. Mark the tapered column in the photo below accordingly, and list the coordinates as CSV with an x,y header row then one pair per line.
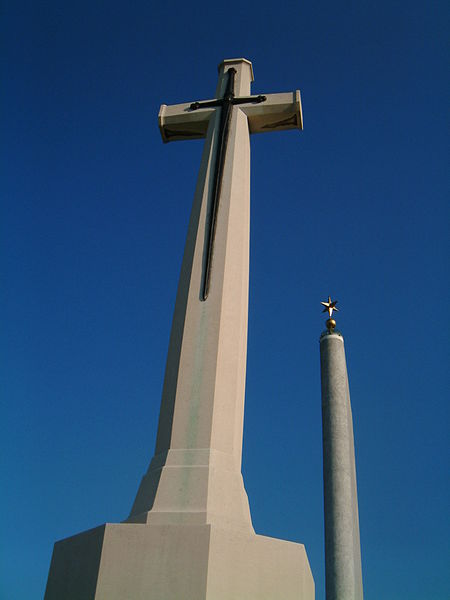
x,y
342,544
195,473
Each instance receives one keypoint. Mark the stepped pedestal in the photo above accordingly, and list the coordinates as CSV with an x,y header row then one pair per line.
x,y
177,562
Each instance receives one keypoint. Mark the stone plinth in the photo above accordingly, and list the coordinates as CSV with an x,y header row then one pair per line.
x,y
172,562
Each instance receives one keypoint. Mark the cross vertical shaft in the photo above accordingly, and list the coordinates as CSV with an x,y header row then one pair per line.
x,y
202,408
195,474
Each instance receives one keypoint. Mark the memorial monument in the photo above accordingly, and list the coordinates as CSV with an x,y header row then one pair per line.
x,y
343,576
189,535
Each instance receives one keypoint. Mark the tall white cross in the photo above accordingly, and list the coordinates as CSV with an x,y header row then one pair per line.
x,y
195,474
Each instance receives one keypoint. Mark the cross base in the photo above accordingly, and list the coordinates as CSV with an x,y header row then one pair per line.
x,y
187,562
193,487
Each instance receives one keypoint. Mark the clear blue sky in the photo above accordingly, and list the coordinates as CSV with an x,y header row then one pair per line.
x,y
93,221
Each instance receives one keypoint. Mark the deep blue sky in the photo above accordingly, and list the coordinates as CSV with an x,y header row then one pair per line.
x,y
94,217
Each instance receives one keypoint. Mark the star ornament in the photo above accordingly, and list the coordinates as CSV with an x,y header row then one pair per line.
x,y
330,306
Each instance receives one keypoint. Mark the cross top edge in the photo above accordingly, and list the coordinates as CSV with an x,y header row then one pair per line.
x,y
235,61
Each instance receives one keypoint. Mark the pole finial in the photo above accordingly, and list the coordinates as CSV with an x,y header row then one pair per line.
x,y
330,306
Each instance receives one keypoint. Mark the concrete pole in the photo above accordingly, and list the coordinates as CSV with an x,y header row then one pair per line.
x,y
342,545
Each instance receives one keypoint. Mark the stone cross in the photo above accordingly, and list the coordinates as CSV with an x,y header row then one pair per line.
x,y
179,124
189,534
195,474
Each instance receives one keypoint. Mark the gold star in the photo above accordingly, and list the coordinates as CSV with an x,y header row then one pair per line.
x,y
330,306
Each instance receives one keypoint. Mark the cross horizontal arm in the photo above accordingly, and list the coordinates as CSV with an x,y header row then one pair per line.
x,y
276,113
180,122
271,112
